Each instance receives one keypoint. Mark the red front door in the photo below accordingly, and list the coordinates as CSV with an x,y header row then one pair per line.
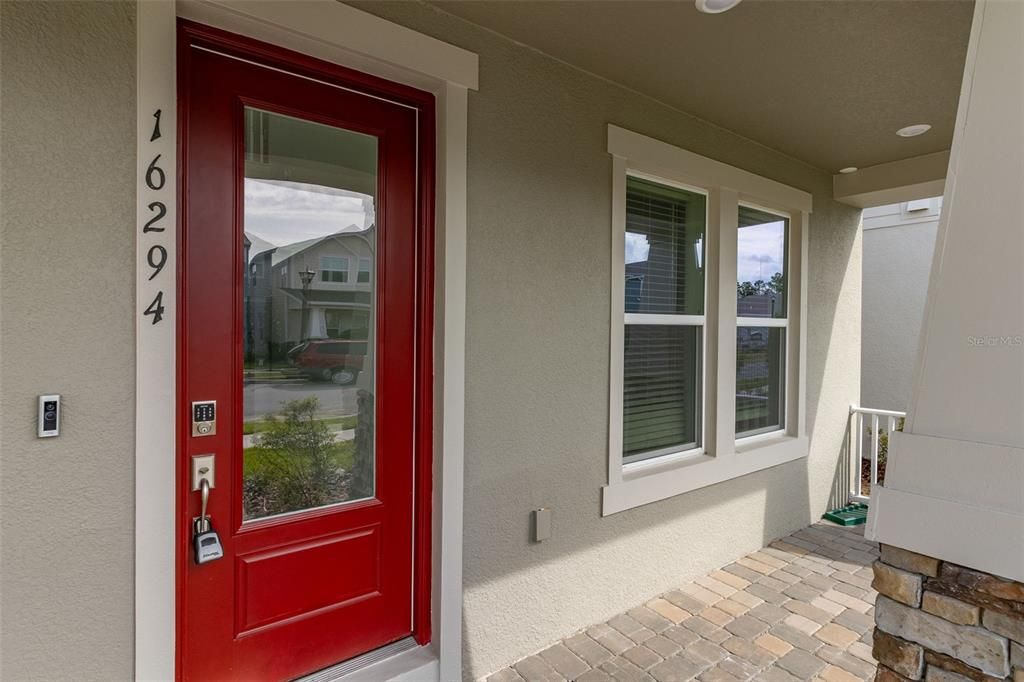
x,y
304,358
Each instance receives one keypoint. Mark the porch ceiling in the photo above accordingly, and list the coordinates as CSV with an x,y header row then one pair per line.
x,y
826,81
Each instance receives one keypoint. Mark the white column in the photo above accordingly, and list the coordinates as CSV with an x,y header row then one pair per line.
x,y
954,477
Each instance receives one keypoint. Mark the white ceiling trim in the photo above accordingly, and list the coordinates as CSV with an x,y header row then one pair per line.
x,y
920,177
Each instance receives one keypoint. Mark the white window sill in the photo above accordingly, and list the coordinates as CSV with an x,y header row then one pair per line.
x,y
677,474
670,460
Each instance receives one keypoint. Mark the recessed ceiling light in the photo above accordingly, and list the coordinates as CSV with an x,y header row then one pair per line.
x,y
715,6
848,169
914,130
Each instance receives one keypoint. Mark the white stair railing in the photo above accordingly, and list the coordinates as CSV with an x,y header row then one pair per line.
x,y
869,434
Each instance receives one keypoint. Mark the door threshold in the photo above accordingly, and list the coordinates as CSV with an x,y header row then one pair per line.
x,y
340,670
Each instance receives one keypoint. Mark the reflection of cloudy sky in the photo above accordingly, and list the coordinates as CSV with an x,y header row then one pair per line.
x,y
637,247
760,251
285,212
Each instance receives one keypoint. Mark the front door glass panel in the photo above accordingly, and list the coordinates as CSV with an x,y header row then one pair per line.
x,y
309,256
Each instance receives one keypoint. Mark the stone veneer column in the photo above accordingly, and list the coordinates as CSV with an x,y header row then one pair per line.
x,y
940,622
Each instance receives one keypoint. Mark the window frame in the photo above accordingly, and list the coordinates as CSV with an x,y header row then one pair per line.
x,y
344,270
683,450
720,455
360,270
782,323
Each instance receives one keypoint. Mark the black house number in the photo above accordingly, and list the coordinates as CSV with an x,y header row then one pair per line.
x,y
156,256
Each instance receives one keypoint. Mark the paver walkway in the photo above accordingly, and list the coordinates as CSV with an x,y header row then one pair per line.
x,y
800,609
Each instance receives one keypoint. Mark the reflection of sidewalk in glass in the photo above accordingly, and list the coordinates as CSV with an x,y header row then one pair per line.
x,y
274,376
271,399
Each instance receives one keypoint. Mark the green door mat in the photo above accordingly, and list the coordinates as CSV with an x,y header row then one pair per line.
x,y
852,515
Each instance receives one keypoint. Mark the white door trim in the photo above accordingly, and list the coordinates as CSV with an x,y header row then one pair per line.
x,y
344,35
155,352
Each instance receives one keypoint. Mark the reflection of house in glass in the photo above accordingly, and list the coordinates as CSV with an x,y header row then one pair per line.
x,y
757,305
636,273
316,289
749,337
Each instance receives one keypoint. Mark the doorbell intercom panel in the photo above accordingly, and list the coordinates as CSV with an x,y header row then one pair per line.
x,y
49,416
204,418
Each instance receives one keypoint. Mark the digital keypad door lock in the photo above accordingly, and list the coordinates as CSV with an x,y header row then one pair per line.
x,y
204,418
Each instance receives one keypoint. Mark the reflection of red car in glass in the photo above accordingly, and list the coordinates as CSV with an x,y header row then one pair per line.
x,y
337,360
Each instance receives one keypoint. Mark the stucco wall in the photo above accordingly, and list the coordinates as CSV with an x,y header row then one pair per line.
x,y
537,356
67,165
898,248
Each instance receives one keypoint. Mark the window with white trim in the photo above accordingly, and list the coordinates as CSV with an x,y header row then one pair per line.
x,y
334,269
760,321
664,319
705,385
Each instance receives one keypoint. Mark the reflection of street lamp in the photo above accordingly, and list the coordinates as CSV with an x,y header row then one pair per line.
x,y
307,278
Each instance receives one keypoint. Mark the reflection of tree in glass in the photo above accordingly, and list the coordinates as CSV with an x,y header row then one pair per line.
x,y
362,469
760,287
294,464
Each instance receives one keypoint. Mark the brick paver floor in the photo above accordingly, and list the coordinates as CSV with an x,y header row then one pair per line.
x,y
800,609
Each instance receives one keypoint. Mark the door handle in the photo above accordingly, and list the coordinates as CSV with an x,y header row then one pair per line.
x,y
205,541
204,492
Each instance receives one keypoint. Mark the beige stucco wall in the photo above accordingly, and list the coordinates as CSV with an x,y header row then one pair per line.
x,y
537,349
537,356
897,262
67,179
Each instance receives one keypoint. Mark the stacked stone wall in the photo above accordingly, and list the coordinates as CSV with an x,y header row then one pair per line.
x,y
941,622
